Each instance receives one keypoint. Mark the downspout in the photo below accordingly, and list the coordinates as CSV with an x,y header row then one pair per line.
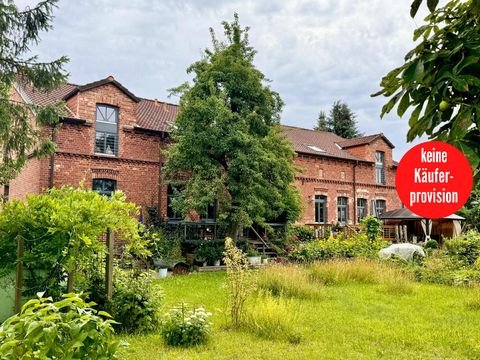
x,y
355,193
52,159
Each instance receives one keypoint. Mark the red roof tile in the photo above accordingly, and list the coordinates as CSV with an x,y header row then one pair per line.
x,y
363,140
318,143
156,115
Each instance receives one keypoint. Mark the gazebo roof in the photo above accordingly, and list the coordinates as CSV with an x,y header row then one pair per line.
x,y
406,214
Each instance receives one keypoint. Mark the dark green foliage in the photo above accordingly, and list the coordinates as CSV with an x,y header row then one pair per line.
x,y
322,122
209,252
228,140
340,121
301,233
19,136
67,329
471,211
465,248
371,226
186,327
135,302
439,80
431,244
333,247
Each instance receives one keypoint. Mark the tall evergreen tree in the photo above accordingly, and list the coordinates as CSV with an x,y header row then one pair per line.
x,y
227,145
323,123
342,120
20,134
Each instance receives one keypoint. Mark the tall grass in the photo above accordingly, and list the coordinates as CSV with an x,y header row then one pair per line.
x,y
288,281
273,318
393,280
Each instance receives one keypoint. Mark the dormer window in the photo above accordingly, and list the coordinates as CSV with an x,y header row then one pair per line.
x,y
380,167
106,130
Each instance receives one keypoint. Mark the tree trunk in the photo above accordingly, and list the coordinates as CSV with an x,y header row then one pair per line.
x,y
233,231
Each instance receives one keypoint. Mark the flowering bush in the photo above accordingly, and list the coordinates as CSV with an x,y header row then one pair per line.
x,y
183,327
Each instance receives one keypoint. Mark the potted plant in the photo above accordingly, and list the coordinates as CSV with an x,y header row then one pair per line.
x,y
264,259
253,256
166,252
208,253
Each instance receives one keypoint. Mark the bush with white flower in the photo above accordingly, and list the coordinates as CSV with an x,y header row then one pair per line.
x,y
184,326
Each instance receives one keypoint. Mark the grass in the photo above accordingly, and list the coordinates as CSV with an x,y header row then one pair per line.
x,y
351,320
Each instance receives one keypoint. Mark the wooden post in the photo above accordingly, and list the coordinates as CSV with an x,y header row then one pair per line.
x,y
19,274
109,265
70,277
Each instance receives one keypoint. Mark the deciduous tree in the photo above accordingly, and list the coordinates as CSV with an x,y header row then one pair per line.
x,y
440,79
227,144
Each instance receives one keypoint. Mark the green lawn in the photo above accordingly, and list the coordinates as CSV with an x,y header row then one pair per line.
x,y
353,321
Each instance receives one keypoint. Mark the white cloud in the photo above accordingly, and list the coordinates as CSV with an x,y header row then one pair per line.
x,y
315,52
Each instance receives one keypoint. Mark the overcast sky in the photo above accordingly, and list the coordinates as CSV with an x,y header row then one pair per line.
x,y
314,51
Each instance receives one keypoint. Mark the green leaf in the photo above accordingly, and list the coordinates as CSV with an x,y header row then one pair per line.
x,y
432,5
414,7
404,104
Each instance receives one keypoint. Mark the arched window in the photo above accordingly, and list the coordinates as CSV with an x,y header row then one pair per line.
x,y
106,130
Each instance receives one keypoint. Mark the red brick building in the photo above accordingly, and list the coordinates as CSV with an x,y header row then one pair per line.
x,y
112,139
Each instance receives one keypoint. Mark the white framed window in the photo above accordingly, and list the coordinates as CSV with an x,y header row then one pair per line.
x,y
104,186
380,167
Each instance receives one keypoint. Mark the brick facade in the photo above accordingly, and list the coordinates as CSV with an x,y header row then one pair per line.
x,y
136,167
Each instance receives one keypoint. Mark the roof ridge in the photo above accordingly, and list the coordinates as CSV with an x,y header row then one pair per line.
x,y
160,101
312,130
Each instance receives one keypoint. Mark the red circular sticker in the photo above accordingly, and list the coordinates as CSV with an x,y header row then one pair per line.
x,y
434,179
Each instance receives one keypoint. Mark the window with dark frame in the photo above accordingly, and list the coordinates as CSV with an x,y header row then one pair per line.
x,y
380,167
104,186
361,208
381,206
320,209
342,209
211,212
106,130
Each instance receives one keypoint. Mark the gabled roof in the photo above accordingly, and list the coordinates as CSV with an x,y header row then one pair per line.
x,y
306,141
364,140
107,80
43,98
151,114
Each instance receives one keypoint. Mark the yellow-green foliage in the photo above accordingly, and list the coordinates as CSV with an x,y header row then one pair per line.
x,y
338,247
240,282
273,318
289,281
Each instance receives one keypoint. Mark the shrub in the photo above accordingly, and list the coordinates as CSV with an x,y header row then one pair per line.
x,y
67,329
209,252
301,233
431,244
356,246
288,281
372,227
273,318
135,302
465,247
183,327
240,283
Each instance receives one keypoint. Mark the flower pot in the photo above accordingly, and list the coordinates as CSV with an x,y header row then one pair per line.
x,y
254,260
265,261
162,273
216,263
